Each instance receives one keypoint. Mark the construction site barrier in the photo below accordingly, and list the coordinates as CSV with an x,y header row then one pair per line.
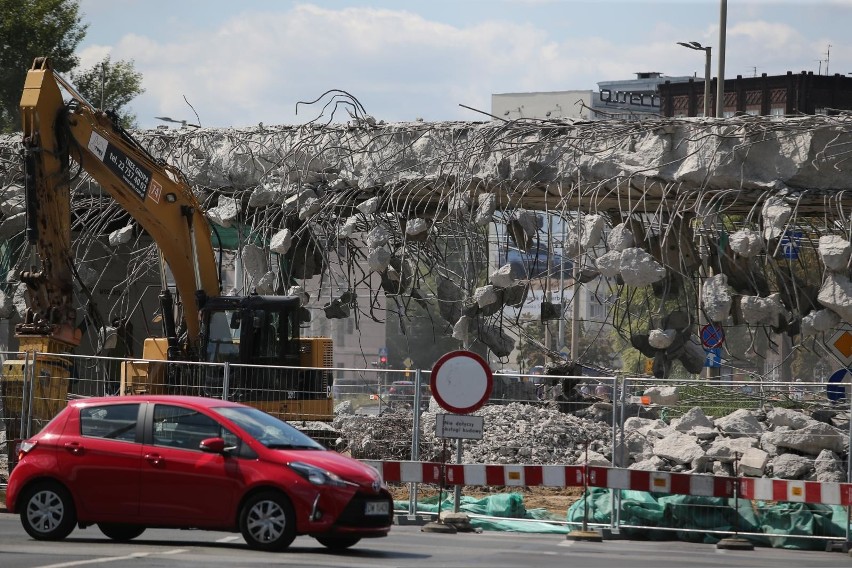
x,y
513,475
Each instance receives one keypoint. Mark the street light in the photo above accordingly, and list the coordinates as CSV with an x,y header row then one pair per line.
x,y
706,49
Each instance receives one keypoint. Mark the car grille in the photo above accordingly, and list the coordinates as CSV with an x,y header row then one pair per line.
x,y
353,515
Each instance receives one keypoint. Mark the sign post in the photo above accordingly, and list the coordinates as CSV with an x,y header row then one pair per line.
x,y
461,382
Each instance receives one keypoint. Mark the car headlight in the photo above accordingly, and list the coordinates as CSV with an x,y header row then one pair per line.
x,y
319,476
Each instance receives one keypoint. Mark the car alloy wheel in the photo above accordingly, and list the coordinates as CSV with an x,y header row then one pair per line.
x,y
48,512
267,521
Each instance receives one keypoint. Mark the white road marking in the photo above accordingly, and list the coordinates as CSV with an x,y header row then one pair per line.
x,y
97,560
229,539
175,551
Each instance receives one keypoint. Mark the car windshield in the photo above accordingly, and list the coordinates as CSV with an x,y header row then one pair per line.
x,y
273,433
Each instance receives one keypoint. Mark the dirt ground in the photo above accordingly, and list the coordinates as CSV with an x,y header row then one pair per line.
x,y
555,499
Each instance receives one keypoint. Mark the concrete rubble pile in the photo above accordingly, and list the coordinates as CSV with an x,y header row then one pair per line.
x,y
777,442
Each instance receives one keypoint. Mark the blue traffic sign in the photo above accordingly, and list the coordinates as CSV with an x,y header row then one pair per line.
x,y
712,336
383,351
790,242
713,357
835,391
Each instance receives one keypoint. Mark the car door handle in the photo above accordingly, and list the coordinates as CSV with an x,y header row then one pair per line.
x,y
74,447
154,459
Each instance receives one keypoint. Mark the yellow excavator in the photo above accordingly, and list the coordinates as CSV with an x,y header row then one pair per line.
x,y
198,322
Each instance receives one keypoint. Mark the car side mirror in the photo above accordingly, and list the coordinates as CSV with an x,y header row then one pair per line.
x,y
212,445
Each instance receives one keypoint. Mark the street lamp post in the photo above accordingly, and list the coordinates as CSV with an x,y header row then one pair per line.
x,y
706,49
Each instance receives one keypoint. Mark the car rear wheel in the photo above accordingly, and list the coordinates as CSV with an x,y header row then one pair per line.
x,y
48,511
338,542
120,531
268,522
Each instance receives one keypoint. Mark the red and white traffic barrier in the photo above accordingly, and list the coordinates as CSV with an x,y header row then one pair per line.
x,y
512,475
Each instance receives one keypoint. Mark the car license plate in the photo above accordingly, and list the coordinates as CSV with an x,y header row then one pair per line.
x,y
376,508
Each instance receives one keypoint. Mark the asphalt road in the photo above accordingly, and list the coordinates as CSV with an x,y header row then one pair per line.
x,y
407,546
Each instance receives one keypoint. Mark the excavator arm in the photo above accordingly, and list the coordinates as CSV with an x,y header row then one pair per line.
x,y
155,194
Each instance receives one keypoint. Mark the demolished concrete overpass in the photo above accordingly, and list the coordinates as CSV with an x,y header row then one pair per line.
x,y
404,210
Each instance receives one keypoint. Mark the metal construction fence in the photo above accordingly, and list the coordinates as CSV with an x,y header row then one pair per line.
x,y
376,406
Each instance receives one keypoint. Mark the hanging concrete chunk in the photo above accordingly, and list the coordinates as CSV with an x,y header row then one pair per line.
x,y
620,238
281,241
378,259
502,277
775,213
266,284
485,296
417,228
7,306
746,243
121,236
225,213
487,205
254,262
348,228
369,206
638,268
660,338
834,251
593,226
299,292
310,207
836,294
378,236
763,311
716,298
459,203
819,321
461,330
267,194
497,340
609,264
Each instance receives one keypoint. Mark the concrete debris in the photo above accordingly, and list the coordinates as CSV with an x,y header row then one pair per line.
x,y
519,433
459,204
763,311
620,238
378,259
638,268
281,241
776,213
7,306
225,213
461,330
348,228
485,209
267,194
415,227
590,236
497,340
716,299
377,237
502,277
485,296
254,262
121,236
266,284
836,294
609,264
661,339
310,207
819,321
300,292
369,206
835,251
746,243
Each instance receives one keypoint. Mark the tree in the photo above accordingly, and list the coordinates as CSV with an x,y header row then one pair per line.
x,y
111,86
30,29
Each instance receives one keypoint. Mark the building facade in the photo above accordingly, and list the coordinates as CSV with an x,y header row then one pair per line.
x,y
778,95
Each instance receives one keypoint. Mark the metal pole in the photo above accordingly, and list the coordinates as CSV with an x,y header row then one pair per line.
x,y
707,77
226,381
575,309
415,440
720,86
457,492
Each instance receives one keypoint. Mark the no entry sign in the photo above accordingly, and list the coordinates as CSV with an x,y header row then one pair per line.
x,y
461,382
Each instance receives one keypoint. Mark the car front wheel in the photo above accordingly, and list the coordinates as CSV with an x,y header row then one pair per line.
x,y
121,532
338,542
48,511
268,522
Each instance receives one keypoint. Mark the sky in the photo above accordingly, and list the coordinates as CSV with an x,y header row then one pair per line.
x,y
238,63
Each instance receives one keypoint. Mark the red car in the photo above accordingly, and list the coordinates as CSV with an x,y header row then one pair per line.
x,y
128,463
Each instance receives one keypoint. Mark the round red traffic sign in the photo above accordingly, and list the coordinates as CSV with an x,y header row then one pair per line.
x,y
461,382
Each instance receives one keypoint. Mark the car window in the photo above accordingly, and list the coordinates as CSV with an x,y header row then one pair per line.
x,y
268,430
180,427
113,421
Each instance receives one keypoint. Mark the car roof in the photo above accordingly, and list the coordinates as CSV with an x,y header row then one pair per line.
x,y
198,401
